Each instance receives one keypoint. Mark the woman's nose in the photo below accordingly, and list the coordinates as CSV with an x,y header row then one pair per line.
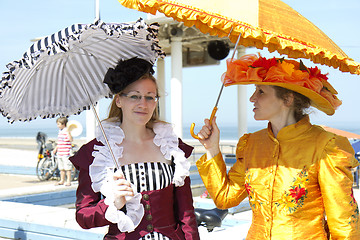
x,y
142,101
252,98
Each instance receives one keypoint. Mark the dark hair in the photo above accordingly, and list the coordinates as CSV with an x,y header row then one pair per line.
x,y
300,104
127,72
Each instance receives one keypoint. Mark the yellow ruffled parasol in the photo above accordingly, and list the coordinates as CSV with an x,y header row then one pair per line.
x,y
261,23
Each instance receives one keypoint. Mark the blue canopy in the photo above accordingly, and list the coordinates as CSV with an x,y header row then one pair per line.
x,y
356,146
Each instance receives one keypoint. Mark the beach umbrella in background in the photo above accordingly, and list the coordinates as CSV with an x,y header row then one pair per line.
x,y
270,24
62,74
356,147
349,135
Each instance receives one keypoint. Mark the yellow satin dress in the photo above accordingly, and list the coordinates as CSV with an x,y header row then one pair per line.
x,y
295,183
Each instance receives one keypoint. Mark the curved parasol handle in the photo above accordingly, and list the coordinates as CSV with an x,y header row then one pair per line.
x,y
193,124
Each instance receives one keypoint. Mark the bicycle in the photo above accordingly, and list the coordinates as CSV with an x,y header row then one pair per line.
x,y
47,165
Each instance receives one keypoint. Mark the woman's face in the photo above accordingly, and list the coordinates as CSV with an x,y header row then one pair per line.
x,y
138,101
267,106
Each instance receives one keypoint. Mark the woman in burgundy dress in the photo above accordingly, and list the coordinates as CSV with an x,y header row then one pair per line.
x,y
149,197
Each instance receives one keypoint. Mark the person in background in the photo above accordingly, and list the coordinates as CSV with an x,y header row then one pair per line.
x,y
296,175
63,151
149,196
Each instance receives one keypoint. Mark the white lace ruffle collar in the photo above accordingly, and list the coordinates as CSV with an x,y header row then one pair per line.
x,y
164,138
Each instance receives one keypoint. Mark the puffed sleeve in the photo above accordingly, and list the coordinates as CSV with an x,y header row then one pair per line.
x,y
226,190
335,179
90,208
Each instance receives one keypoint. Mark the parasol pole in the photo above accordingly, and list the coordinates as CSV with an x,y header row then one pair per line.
x,y
97,17
100,124
217,101
97,10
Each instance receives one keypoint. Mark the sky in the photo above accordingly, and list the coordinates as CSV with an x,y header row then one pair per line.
x,y
23,20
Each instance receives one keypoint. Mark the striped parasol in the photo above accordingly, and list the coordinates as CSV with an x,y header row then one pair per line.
x,y
62,74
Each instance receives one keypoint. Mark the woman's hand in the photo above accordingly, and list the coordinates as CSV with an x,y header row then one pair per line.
x,y
122,188
209,137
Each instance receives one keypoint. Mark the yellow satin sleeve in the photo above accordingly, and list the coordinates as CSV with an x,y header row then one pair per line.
x,y
335,180
226,190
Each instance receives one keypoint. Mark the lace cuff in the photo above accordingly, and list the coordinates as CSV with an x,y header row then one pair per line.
x,y
134,209
129,221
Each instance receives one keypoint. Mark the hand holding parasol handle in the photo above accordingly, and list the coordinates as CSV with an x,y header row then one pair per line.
x,y
193,124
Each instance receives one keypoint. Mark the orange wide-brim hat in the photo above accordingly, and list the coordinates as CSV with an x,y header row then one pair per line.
x,y
289,74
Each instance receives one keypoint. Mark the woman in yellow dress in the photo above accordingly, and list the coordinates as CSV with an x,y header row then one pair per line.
x,y
296,175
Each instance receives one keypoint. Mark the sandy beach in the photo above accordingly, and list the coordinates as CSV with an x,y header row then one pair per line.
x,y
27,143
21,151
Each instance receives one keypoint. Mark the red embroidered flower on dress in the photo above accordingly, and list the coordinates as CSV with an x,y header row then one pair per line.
x,y
248,188
353,198
297,193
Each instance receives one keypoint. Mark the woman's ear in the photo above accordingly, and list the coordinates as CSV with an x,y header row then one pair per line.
x,y
289,100
118,100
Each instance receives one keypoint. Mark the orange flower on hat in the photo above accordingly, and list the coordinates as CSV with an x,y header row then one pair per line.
x,y
315,72
327,90
237,69
287,67
253,69
286,72
334,101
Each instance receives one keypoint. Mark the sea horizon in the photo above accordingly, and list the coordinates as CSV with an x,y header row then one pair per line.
x,y
227,132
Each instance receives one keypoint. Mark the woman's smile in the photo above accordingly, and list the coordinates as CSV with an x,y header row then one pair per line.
x,y
140,112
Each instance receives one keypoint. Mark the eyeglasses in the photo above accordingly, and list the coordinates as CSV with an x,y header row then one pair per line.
x,y
134,97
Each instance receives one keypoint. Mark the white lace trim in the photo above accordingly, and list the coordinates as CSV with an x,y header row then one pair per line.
x,y
101,170
134,210
168,142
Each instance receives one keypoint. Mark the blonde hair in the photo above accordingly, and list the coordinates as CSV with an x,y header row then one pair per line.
x,y
62,120
115,113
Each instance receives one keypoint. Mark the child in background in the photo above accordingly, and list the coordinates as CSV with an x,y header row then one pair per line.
x,y
63,149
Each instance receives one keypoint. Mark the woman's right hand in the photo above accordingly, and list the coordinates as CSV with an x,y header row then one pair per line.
x,y
209,137
122,188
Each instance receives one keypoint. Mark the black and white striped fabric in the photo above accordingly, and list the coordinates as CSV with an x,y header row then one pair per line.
x,y
62,74
147,177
